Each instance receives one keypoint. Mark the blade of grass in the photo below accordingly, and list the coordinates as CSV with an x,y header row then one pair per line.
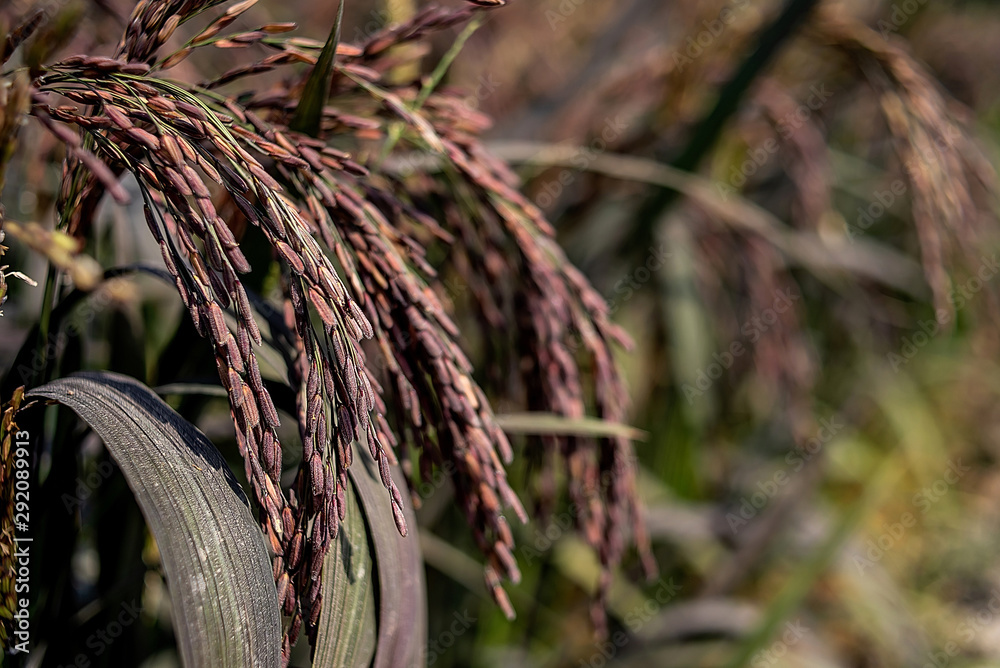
x,y
548,423
823,258
309,114
709,129
801,581
444,65
430,84
224,603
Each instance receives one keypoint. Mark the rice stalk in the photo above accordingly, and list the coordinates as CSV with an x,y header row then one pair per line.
x,y
947,174
352,245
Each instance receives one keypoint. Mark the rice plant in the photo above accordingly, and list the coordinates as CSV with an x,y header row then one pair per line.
x,y
351,242
311,307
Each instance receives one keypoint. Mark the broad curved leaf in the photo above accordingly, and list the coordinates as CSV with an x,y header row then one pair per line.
x,y
225,607
347,624
402,599
349,600
309,112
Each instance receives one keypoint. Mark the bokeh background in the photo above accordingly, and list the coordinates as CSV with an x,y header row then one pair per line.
x,y
791,208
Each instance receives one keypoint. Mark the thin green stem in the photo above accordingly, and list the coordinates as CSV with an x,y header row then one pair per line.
x,y
710,128
802,580
442,67
48,299
430,84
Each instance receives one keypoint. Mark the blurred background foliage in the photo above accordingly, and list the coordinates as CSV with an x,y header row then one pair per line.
x,y
791,207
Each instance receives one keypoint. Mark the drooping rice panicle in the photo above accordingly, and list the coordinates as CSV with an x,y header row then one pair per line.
x,y
351,243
